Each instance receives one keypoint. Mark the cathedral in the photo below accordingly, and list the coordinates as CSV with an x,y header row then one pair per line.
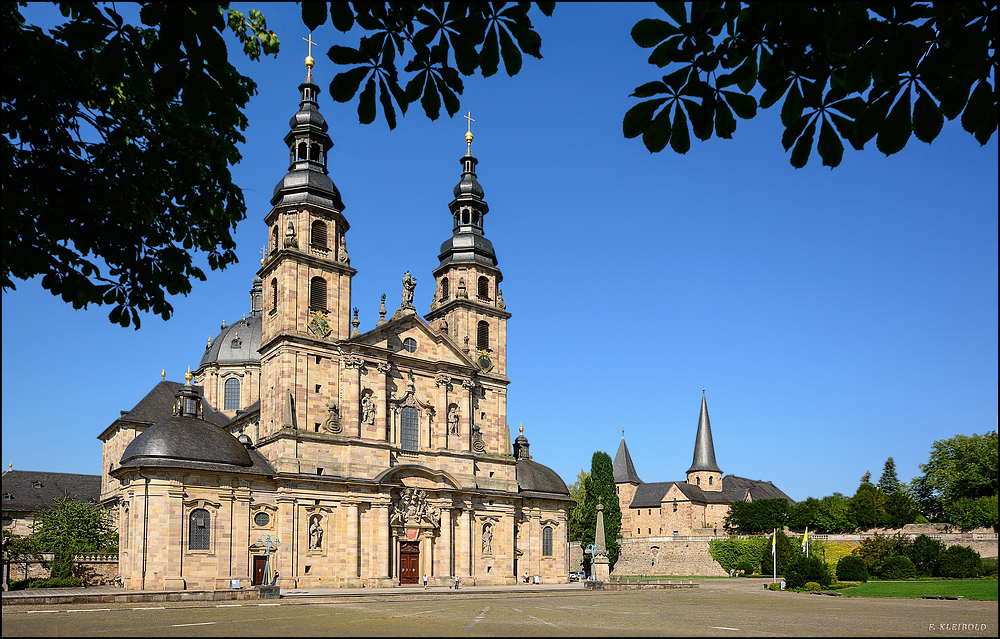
x,y
307,453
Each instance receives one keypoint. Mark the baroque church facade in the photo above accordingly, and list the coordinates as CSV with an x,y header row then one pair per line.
x,y
307,451
695,507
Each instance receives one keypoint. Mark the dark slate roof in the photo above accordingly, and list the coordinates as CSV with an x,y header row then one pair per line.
x,y
238,343
736,488
704,449
159,404
624,471
733,489
534,477
19,484
649,495
186,439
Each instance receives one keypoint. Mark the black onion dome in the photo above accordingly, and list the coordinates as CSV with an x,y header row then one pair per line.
x,y
238,343
534,477
186,439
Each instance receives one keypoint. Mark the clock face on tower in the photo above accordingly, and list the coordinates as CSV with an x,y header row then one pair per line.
x,y
484,361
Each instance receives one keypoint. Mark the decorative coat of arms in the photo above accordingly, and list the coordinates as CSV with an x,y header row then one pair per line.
x,y
319,326
413,509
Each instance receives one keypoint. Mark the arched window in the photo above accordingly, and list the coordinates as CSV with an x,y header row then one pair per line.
x,y
709,480
301,151
125,523
547,541
317,294
274,295
482,335
232,394
409,428
318,235
697,480
200,530
483,288
445,291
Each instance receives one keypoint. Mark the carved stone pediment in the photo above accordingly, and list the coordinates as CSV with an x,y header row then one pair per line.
x,y
413,510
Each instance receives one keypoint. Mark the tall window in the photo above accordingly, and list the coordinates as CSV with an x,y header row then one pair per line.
x,y
319,233
547,541
274,295
409,429
483,288
317,294
232,394
444,288
482,335
200,530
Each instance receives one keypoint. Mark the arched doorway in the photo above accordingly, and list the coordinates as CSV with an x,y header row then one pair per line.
x,y
409,562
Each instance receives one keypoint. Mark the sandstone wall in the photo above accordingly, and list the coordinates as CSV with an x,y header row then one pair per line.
x,y
666,556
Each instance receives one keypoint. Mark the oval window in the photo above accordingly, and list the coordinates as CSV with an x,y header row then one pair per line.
x,y
262,519
410,345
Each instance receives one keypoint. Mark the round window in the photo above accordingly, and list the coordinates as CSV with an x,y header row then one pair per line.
x,y
410,345
262,519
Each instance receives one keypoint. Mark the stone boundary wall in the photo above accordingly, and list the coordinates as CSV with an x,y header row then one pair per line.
x,y
665,556
93,569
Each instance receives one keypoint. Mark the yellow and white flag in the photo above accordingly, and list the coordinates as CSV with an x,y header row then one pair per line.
x,y
805,539
774,543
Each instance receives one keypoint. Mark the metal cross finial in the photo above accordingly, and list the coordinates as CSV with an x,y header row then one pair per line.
x,y
310,42
469,118
263,254
468,135
310,63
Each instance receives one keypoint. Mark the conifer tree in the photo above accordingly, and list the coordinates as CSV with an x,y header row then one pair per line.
x,y
600,487
888,483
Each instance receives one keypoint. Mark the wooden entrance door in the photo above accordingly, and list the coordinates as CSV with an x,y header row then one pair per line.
x,y
259,564
409,563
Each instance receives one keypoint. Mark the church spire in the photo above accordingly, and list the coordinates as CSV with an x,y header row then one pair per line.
x,y
308,144
704,449
624,470
468,242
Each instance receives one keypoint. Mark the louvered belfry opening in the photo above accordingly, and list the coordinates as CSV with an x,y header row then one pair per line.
x,y
317,294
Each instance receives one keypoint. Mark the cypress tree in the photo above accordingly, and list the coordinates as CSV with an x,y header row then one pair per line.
x,y
599,486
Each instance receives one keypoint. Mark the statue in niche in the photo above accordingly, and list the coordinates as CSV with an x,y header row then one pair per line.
x,y
409,284
344,257
367,408
453,419
462,291
291,241
487,538
315,533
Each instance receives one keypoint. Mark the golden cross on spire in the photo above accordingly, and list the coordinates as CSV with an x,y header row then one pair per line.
x,y
263,254
309,56
468,135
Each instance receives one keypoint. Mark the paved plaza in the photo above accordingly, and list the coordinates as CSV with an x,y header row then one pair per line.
x,y
718,607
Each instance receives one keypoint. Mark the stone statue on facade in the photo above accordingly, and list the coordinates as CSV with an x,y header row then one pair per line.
x,y
413,508
453,419
291,241
344,257
315,534
487,539
367,408
409,284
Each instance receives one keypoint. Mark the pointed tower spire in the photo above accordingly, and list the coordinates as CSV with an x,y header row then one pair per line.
x,y
624,471
703,463
468,243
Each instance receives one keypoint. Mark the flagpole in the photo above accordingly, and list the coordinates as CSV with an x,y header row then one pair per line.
x,y
774,555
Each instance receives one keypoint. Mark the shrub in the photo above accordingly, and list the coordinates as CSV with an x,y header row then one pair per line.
x,y
774,586
786,552
852,568
898,567
990,566
968,513
877,548
56,582
738,554
806,569
925,553
960,561
20,584
812,586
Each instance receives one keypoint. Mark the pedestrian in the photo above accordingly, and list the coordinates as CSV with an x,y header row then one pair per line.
x,y
274,579
425,582
456,582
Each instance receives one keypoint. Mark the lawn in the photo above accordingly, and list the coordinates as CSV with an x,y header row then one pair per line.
x,y
982,589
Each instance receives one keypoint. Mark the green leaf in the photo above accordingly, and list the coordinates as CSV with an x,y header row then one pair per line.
x,y
346,55
366,103
845,128
747,74
489,55
431,101
725,123
649,89
978,108
511,54
676,11
895,131
313,14
649,32
701,117
341,16
637,118
345,85
791,110
743,105
800,154
794,130
451,101
386,99
868,122
667,52
466,56
927,118
830,148
680,138
657,134
773,94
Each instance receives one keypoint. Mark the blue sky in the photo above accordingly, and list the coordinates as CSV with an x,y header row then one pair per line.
x,y
834,317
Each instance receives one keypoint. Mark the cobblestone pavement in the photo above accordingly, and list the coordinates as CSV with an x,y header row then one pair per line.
x,y
719,607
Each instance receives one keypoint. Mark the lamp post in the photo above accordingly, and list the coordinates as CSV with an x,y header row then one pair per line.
x,y
270,543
